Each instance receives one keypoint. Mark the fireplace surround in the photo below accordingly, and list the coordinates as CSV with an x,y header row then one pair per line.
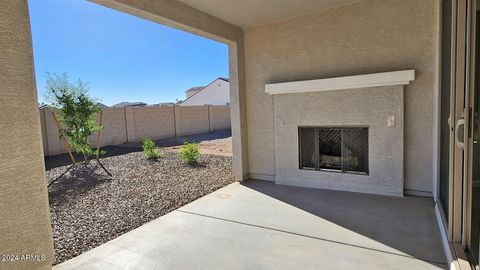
x,y
349,138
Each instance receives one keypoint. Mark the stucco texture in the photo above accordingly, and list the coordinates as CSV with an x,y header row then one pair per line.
x,y
361,107
24,213
25,227
365,37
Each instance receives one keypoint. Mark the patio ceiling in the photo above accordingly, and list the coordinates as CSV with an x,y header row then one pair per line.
x,y
251,13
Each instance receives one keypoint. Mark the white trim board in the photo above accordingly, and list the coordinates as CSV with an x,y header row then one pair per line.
x,y
402,77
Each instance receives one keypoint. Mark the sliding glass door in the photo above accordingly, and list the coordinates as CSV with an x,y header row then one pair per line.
x,y
472,168
459,181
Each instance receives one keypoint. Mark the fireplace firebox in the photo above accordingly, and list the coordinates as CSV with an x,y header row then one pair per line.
x,y
334,149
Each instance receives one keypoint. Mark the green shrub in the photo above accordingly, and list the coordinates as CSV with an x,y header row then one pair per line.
x,y
149,150
190,153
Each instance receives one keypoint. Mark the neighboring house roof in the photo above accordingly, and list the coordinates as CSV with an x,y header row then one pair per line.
x,y
202,88
129,104
162,104
101,105
196,88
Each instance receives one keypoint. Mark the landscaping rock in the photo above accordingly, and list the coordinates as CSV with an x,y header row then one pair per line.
x,y
89,208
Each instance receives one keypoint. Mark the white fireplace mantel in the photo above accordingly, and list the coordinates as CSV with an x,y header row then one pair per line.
x,y
402,77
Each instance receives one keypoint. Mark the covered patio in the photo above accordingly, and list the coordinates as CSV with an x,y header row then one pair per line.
x,y
300,46
260,225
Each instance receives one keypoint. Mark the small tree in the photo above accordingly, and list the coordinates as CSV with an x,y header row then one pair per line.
x,y
190,153
76,112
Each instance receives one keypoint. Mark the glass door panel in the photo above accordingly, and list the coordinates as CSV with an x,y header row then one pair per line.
x,y
474,155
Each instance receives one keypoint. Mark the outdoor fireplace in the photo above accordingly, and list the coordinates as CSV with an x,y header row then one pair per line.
x,y
335,149
343,133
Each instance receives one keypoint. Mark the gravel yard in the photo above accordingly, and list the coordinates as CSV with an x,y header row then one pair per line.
x,y
89,208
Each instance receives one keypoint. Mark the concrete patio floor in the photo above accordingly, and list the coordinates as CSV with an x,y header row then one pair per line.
x,y
260,225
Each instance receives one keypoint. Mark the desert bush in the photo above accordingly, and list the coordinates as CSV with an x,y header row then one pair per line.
x,y
190,153
149,150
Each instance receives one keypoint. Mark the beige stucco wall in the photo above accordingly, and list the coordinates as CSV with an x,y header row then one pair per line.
x,y
24,212
25,226
365,37
361,107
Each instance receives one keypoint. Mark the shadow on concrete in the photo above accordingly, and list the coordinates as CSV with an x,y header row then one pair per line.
x,y
406,224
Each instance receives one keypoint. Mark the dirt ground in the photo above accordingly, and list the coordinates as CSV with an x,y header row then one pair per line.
x,y
221,147
214,143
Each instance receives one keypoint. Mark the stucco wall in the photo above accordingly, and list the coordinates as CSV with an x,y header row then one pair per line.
x,y
24,211
25,226
365,37
365,107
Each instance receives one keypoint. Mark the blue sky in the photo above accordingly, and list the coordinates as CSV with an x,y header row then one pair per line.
x,y
122,57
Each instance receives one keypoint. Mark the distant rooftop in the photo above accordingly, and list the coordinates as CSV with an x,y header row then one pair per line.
x,y
162,104
196,88
101,105
129,104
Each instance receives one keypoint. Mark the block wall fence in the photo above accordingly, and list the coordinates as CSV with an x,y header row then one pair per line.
x,y
133,124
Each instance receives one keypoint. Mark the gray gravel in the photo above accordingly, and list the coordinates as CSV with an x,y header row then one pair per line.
x,y
89,208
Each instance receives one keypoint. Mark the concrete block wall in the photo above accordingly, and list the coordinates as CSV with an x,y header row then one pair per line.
x,y
53,145
149,122
114,126
219,117
192,120
133,124
43,131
